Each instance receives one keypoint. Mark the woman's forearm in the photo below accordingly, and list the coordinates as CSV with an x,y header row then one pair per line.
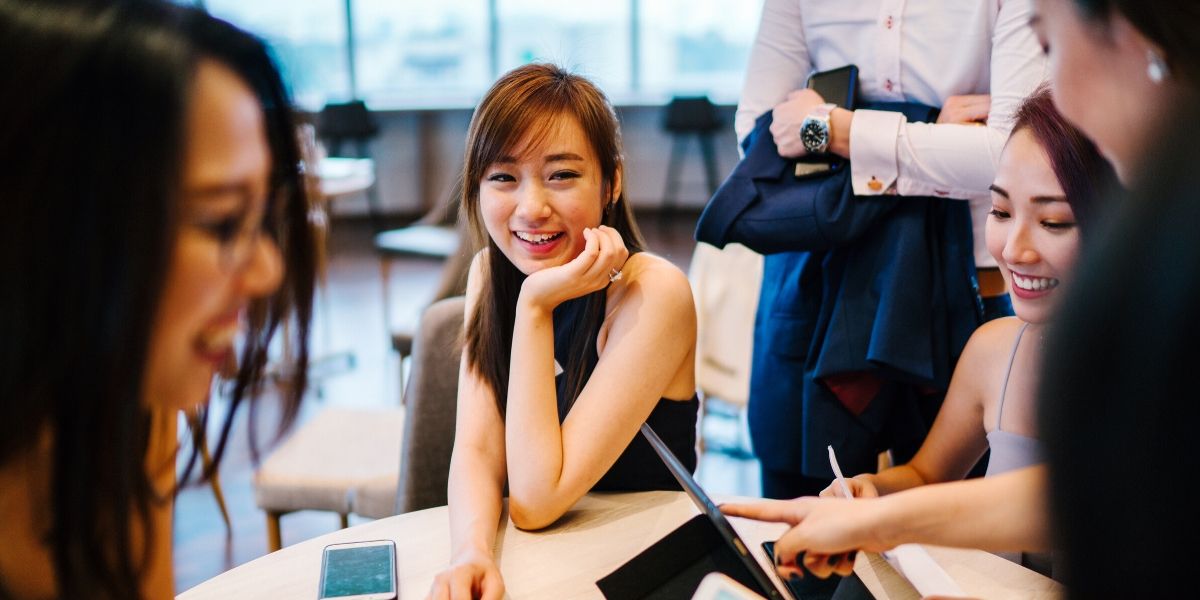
x,y
534,445
474,496
1001,513
894,479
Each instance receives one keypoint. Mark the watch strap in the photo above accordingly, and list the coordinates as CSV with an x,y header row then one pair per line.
x,y
822,111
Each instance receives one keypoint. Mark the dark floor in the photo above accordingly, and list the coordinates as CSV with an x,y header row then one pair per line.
x,y
350,319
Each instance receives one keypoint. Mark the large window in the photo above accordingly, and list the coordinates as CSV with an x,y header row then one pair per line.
x,y
417,51
447,52
591,38
308,38
696,46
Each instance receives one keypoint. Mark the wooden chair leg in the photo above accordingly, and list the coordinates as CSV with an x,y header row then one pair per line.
x,y
274,541
385,271
215,481
403,381
345,520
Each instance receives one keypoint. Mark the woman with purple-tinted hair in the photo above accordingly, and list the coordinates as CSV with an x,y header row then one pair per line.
x,y
1043,198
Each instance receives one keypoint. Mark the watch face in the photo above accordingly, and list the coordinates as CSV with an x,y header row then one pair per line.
x,y
813,134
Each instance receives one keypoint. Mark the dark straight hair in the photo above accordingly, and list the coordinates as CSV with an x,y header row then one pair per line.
x,y
1172,24
1085,176
93,107
1118,420
523,106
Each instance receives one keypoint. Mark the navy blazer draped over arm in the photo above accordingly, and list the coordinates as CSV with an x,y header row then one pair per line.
x,y
881,286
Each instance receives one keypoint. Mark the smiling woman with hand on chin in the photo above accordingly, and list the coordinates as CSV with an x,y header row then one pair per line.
x,y
574,335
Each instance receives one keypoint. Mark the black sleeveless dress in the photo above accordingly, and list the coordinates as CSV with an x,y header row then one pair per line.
x,y
639,467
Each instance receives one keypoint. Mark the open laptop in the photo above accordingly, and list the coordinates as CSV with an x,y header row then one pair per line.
x,y
709,508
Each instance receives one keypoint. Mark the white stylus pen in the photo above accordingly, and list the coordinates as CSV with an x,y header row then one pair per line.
x,y
841,479
837,471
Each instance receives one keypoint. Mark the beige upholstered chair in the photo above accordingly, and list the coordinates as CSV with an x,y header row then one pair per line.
x,y
725,286
322,464
429,428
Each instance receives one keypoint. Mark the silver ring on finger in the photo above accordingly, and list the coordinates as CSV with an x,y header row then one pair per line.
x,y
614,275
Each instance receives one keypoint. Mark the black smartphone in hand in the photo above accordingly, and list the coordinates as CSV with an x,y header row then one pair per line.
x,y
839,87
836,86
849,587
793,586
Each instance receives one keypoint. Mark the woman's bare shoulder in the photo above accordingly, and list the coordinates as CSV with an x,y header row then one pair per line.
x,y
991,341
649,269
476,276
479,262
654,283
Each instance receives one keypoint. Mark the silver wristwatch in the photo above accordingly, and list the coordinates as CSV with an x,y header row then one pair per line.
x,y
814,131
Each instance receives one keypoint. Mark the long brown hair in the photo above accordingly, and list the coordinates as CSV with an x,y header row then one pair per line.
x,y
523,105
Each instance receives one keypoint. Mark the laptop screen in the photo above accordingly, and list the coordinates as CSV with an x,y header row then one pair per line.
x,y
709,508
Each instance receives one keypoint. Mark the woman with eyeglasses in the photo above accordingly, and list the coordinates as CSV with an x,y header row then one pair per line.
x,y
155,237
1119,68
1121,411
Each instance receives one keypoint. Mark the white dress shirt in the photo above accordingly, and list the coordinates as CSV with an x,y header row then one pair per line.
x,y
906,51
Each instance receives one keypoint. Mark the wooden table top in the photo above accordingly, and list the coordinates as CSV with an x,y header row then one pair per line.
x,y
600,533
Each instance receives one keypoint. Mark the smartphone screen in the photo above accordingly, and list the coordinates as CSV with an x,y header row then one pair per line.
x,y
365,569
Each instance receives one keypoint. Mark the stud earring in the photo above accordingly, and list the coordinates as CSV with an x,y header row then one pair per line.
x,y
1156,67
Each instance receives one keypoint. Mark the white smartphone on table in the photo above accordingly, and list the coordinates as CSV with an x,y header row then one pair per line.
x,y
359,571
719,586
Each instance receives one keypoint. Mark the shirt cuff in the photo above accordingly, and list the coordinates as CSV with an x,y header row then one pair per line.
x,y
873,164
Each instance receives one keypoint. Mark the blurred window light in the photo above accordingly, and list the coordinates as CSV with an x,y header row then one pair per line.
x,y
693,47
590,38
416,51
308,39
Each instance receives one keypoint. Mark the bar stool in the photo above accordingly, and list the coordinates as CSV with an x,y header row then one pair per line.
x,y
351,123
683,118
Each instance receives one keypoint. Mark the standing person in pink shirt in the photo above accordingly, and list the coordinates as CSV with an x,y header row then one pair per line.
x,y
976,60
